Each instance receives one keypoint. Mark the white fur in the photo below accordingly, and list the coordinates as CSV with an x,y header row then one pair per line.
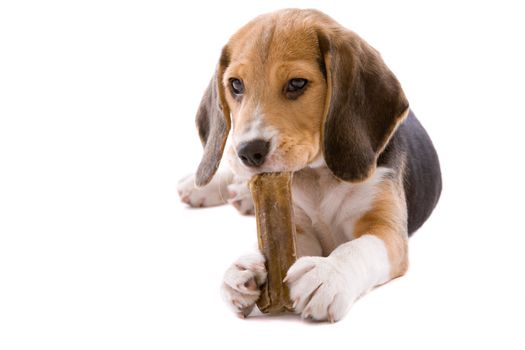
x,y
334,269
241,283
255,129
214,193
241,198
323,288
332,206
223,188
318,161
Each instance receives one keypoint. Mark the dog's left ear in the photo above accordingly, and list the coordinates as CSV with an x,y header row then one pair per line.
x,y
365,104
213,123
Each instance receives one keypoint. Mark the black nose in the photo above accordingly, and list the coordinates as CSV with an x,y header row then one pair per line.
x,y
253,153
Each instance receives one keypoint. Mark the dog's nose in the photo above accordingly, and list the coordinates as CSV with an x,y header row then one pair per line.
x,y
253,153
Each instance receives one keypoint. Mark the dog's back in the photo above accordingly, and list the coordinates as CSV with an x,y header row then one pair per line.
x,y
411,149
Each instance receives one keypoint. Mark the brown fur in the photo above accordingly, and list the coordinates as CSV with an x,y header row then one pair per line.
x,y
387,220
348,112
265,57
351,118
365,107
350,109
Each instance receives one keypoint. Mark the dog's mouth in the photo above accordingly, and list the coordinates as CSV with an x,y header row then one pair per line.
x,y
277,159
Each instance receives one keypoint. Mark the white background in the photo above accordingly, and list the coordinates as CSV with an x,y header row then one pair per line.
x,y
97,105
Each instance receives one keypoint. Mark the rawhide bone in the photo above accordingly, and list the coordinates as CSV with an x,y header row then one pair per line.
x,y
272,197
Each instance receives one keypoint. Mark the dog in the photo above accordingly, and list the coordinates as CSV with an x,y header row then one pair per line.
x,y
302,93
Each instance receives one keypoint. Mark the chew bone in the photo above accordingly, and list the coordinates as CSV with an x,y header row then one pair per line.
x,y
272,197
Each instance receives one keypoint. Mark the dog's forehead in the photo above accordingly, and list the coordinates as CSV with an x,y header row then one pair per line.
x,y
275,37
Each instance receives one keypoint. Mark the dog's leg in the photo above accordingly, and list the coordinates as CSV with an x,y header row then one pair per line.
x,y
224,188
242,282
213,194
323,288
240,196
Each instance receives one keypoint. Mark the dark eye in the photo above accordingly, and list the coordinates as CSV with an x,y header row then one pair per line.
x,y
237,86
295,87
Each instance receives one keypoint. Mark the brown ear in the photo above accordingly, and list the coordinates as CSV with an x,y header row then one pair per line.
x,y
365,104
213,123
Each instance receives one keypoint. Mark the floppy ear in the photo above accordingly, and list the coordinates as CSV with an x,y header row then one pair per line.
x,y
365,104
213,123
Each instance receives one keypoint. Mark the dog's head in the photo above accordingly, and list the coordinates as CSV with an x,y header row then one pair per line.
x,y
297,87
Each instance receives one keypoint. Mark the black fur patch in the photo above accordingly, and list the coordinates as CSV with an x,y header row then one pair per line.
x,y
412,148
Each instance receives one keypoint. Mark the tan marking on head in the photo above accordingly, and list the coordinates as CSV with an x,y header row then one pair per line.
x,y
265,54
387,220
348,112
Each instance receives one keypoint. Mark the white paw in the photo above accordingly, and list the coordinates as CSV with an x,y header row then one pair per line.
x,y
207,196
318,289
241,198
242,281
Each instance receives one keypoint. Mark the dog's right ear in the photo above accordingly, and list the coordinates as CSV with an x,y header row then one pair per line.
x,y
213,123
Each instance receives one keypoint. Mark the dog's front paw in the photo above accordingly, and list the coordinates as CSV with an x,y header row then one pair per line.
x,y
241,198
318,289
242,282
207,196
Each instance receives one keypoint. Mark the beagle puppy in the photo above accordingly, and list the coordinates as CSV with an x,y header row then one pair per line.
x,y
302,93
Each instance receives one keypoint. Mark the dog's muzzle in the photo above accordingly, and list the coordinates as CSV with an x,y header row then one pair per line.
x,y
253,153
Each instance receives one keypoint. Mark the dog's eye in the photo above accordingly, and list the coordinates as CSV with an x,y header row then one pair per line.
x,y
237,86
295,87
296,84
